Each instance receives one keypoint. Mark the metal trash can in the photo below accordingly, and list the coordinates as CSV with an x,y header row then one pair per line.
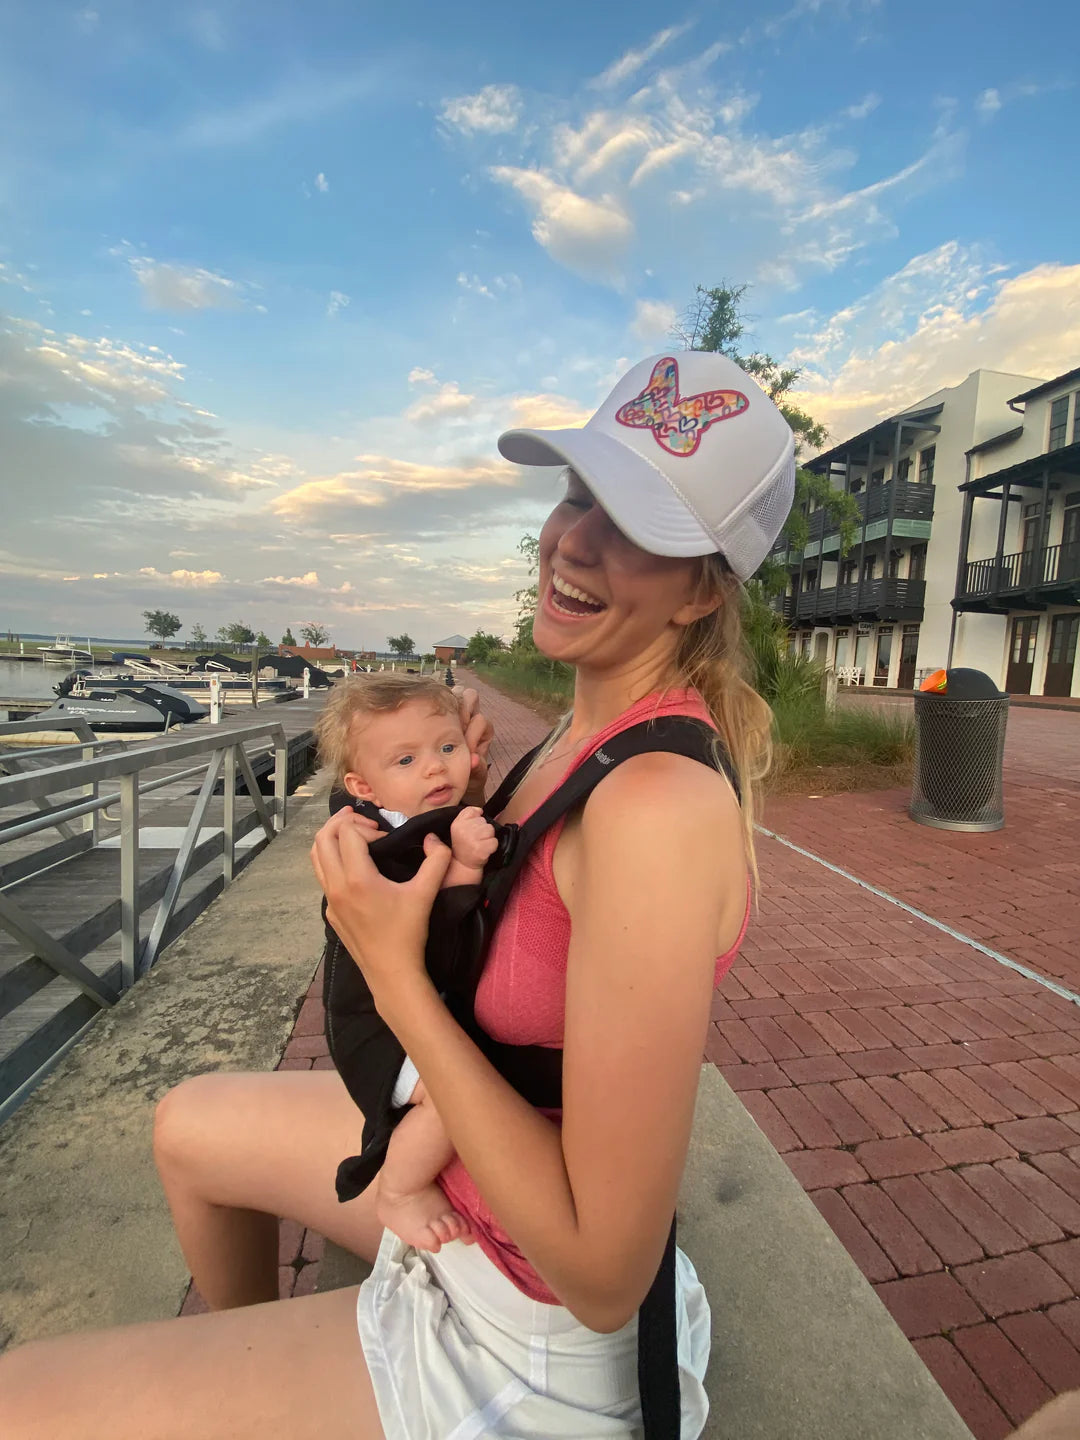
x,y
959,753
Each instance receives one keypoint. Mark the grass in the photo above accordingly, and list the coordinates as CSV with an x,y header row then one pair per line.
x,y
547,686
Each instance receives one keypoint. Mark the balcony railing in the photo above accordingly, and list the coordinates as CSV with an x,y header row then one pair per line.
x,y
1056,566
875,600
913,502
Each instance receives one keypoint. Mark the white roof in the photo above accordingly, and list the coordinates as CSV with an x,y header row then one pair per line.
x,y
455,642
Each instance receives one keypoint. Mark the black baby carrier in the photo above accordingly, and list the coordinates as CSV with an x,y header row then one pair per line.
x,y
368,1055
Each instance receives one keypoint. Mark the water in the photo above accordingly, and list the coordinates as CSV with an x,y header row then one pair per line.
x,y
29,679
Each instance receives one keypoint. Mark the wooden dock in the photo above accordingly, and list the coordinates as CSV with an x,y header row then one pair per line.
x,y
62,889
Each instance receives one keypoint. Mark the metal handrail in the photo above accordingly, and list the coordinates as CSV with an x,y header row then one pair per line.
x,y
223,752
14,788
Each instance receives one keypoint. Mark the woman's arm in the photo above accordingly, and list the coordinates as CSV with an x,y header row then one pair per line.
x,y
590,1205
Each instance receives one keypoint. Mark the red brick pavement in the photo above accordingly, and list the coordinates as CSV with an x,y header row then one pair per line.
x,y
926,1097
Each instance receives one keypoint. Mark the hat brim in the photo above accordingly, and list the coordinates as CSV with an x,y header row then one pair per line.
x,y
635,493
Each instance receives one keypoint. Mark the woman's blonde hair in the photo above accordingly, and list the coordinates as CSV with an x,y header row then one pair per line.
x,y
358,696
711,657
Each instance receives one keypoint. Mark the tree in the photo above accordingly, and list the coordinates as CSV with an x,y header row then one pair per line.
x,y
162,623
402,645
198,637
714,321
237,633
481,648
314,634
263,641
288,638
528,598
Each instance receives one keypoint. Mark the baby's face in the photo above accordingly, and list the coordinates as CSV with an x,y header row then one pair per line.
x,y
412,759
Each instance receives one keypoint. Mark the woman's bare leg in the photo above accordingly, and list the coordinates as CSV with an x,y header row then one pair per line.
x,y
236,1151
294,1368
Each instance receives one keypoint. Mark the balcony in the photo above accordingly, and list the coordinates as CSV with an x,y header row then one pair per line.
x,y
1028,579
883,600
913,502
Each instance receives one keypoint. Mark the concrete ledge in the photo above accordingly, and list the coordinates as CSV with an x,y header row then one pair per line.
x,y
802,1347
85,1235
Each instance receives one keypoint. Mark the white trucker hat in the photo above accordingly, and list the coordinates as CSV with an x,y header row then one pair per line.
x,y
688,456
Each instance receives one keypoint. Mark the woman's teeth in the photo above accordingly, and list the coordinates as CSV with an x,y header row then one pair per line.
x,y
582,602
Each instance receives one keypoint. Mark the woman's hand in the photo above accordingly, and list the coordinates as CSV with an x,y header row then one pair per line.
x,y
478,736
383,925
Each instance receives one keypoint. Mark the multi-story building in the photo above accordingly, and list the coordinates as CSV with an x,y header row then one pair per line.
x,y
1019,556
885,608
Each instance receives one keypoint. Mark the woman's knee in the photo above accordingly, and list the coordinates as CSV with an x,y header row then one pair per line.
x,y
184,1119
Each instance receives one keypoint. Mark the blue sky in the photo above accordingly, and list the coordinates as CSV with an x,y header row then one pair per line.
x,y
274,277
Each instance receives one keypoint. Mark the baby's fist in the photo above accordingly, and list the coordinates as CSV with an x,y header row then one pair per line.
x,y
472,838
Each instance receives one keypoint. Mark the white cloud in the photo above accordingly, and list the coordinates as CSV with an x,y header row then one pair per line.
x,y
601,178
653,320
166,286
474,285
185,578
447,400
307,582
864,107
419,376
381,477
495,110
943,315
628,65
321,183
337,302
296,102
588,236
988,103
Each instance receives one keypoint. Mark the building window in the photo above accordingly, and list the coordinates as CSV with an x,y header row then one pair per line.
x,y
869,565
848,572
903,468
809,580
1059,422
878,477
1076,419
894,564
917,564
926,465
856,487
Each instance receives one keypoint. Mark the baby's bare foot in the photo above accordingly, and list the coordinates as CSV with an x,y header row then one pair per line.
x,y
424,1219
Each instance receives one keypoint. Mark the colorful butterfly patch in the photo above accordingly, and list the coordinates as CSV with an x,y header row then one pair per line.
x,y
678,421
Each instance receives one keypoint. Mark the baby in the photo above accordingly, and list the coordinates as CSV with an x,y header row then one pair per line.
x,y
400,748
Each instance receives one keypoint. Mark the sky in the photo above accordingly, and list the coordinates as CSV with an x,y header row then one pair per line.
x,y
274,277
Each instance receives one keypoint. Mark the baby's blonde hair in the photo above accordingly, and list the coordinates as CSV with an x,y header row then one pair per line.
x,y
361,695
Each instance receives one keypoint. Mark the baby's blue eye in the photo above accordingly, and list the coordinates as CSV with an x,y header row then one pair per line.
x,y
449,747
405,760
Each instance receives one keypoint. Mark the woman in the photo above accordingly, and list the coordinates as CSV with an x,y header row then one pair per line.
x,y
675,490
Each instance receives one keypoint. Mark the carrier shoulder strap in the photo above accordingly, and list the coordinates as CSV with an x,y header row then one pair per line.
x,y
672,734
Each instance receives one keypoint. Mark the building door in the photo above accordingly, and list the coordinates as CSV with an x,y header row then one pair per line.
x,y
1062,658
1029,542
884,656
909,649
1069,563
821,647
1025,632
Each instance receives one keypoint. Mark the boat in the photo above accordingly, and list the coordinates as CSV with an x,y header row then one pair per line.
x,y
64,652
136,706
120,674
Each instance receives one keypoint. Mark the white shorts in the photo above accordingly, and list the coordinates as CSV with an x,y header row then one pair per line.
x,y
457,1352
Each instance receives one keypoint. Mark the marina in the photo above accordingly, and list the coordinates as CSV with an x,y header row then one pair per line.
x,y
110,847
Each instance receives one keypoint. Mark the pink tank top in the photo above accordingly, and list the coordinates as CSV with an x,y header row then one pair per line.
x,y
522,993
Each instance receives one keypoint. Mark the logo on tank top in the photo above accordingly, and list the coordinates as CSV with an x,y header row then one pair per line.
x,y
604,759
